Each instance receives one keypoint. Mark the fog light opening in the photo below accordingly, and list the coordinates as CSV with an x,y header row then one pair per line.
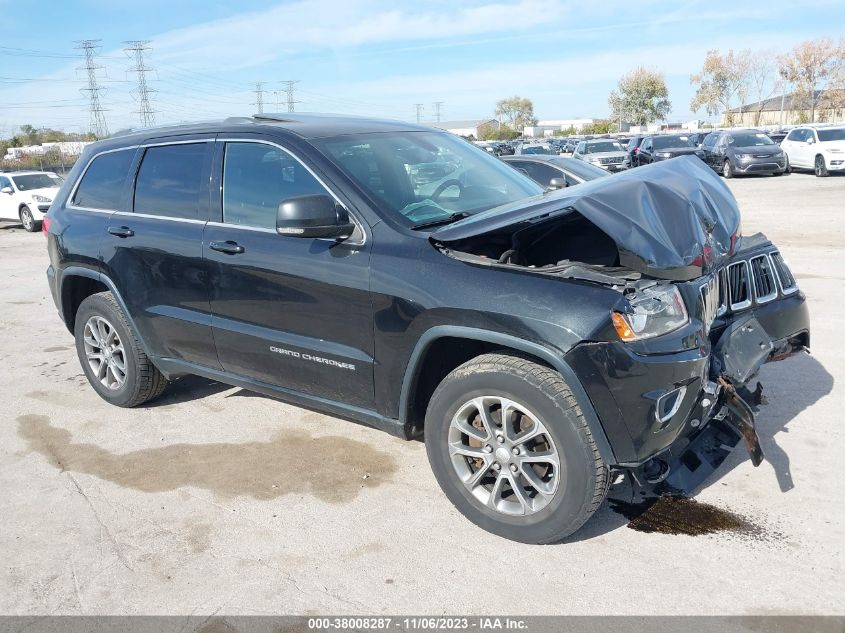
x,y
668,404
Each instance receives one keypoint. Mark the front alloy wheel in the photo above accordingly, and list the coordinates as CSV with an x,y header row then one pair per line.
x,y
105,353
27,220
504,455
820,167
728,169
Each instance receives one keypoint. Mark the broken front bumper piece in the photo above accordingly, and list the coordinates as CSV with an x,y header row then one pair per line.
x,y
738,355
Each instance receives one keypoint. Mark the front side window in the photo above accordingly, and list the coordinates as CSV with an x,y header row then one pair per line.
x,y
257,178
102,184
541,173
423,177
170,181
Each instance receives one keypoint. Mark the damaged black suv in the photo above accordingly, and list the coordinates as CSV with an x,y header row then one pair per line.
x,y
540,342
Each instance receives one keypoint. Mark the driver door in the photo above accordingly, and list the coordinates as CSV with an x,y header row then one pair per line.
x,y
287,311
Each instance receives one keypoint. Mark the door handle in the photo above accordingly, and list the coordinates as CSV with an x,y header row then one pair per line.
x,y
229,247
121,231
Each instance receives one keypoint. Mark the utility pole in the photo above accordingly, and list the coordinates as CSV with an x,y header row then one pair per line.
x,y
419,108
437,105
259,96
97,121
290,91
135,49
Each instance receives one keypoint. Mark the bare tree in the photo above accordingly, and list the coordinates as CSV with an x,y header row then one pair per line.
x,y
516,112
761,70
816,69
722,78
641,97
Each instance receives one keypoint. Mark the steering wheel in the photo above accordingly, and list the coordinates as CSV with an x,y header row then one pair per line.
x,y
443,186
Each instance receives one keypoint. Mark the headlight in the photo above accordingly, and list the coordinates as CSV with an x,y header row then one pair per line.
x,y
664,155
778,154
654,311
38,198
834,150
743,156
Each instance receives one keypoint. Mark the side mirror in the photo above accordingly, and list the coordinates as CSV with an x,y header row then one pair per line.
x,y
557,183
7,190
315,216
811,140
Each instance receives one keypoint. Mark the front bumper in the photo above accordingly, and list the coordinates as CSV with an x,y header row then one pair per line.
x,y
835,162
760,166
628,389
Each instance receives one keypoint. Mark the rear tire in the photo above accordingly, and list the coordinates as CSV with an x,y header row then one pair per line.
x,y
545,449
28,222
820,168
111,355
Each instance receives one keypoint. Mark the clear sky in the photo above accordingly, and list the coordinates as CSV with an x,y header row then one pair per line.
x,y
376,57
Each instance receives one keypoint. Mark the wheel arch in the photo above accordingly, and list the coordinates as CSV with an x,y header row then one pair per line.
x,y
418,384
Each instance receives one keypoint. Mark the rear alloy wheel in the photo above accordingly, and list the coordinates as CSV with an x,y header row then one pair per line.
x,y
28,222
727,169
820,167
511,449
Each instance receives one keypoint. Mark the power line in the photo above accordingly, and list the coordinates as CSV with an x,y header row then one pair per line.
x,y
419,108
437,105
259,96
135,49
289,90
98,123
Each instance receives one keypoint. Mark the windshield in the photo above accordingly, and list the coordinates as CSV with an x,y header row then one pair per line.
x,y
536,149
602,146
422,177
36,181
836,134
750,139
664,142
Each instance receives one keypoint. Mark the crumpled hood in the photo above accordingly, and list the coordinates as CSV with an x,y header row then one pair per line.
x,y
673,219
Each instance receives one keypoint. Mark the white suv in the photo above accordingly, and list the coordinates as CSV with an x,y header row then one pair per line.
x,y
26,196
820,148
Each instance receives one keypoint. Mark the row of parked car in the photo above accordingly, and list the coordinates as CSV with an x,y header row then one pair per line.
x,y
730,152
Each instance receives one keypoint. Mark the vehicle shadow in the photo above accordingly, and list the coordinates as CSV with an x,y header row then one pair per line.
x,y
187,389
790,386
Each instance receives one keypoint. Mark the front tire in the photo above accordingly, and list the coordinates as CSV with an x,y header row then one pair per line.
x,y
728,169
111,355
28,222
820,168
511,449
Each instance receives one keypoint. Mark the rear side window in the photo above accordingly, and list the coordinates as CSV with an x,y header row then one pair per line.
x,y
170,181
256,178
102,184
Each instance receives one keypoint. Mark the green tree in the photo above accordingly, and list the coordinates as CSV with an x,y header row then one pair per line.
x,y
516,112
641,97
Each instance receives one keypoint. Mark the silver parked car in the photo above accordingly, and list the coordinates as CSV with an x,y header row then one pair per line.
x,y
604,153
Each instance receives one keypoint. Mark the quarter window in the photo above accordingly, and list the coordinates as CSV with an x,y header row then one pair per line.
x,y
170,181
257,178
102,185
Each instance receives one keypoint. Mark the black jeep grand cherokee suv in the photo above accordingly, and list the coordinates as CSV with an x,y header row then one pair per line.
x,y
539,341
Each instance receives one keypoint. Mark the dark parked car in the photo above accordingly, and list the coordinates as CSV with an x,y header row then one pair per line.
x,y
544,169
666,146
632,148
541,343
698,137
732,152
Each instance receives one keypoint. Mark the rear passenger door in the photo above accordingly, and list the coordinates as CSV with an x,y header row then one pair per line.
x,y
291,312
153,250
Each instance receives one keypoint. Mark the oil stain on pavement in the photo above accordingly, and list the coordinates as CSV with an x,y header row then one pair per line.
x,y
333,469
682,515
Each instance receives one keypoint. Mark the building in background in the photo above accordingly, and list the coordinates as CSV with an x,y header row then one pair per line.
x,y
788,109
553,127
467,128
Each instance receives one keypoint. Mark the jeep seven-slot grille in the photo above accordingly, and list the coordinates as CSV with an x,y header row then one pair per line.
x,y
787,281
765,287
709,301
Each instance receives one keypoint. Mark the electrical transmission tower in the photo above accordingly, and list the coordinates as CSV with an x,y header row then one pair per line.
x,y
135,50
98,121
419,108
437,105
290,91
259,96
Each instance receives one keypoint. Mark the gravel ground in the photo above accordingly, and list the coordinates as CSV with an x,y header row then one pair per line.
x,y
215,500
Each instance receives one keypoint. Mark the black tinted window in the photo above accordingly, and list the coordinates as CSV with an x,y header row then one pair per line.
x,y
256,178
540,173
170,181
102,184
